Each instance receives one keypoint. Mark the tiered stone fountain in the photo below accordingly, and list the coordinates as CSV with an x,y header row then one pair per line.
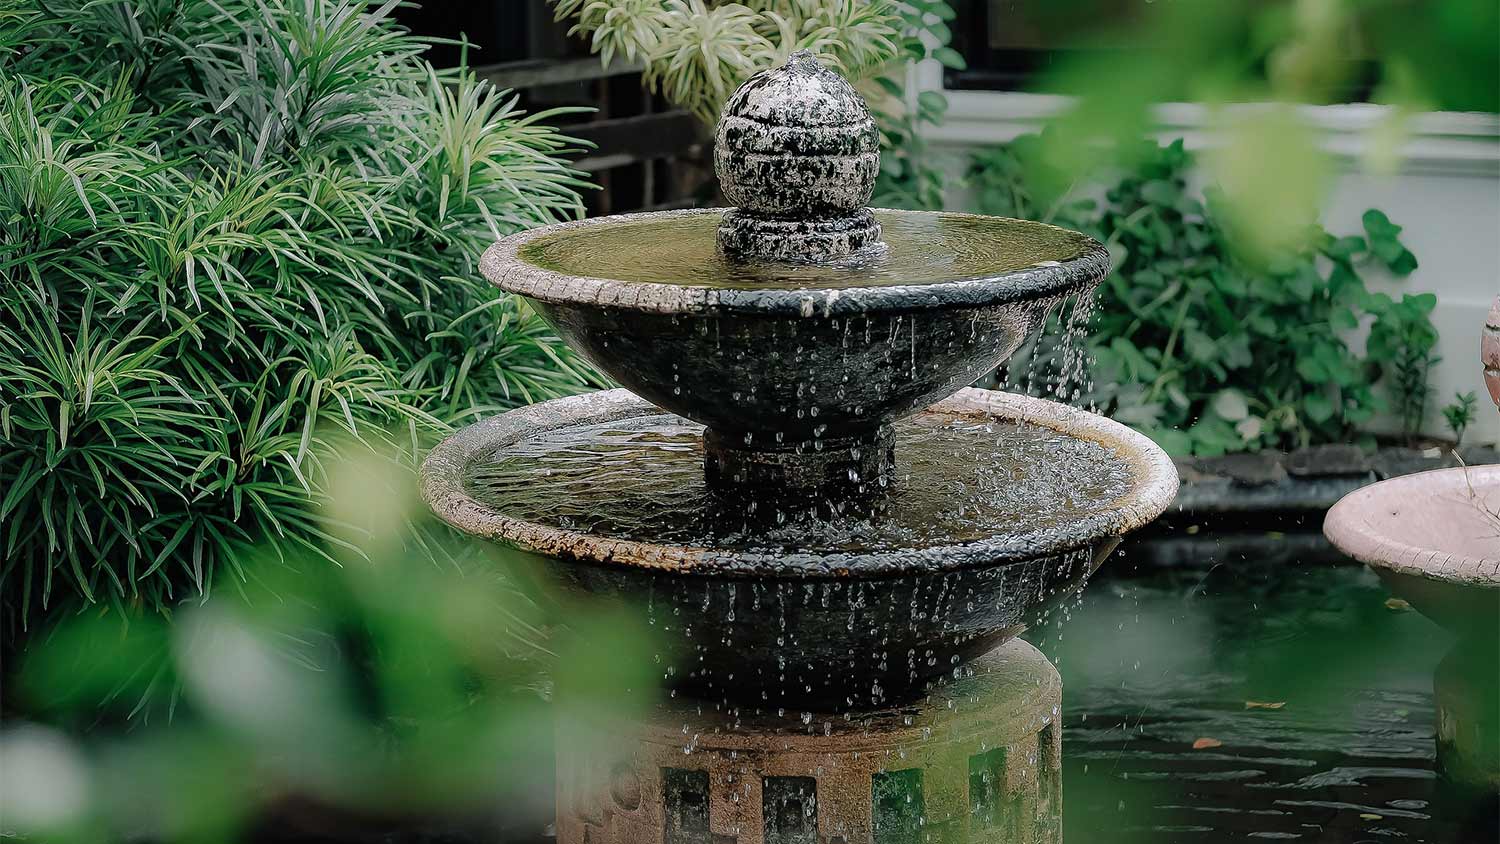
x,y
797,487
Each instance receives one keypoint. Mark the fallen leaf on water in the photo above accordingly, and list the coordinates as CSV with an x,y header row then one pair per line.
x,y
1204,743
1396,604
1367,816
1263,704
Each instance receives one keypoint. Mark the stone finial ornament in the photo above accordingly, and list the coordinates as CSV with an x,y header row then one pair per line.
x,y
1489,352
797,152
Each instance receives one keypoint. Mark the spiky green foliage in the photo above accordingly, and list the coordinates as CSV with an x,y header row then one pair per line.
x,y
696,52
228,228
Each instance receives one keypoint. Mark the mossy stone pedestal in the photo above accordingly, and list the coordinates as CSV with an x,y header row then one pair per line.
x,y
978,760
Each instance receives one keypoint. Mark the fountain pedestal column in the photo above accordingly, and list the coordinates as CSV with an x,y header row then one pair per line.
x,y
978,760
820,467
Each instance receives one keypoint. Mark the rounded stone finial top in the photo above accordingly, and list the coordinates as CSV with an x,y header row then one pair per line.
x,y
801,94
797,152
796,142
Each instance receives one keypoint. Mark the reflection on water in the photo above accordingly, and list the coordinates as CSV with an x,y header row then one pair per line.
x,y
922,248
956,480
979,760
1309,699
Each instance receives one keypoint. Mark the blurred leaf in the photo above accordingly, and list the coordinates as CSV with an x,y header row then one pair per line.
x,y
1230,405
950,58
1269,215
1173,442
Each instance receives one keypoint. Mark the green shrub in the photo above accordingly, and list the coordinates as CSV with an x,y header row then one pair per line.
x,y
227,229
1207,349
696,52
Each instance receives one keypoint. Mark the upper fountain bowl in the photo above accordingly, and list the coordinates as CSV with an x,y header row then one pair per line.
x,y
798,325
788,363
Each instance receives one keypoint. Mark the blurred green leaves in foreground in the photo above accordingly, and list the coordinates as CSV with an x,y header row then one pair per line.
x,y
1202,349
389,687
1251,64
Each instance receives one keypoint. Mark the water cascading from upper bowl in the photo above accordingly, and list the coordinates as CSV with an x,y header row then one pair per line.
x,y
798,487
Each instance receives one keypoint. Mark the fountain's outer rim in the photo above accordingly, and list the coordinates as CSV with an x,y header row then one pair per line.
x,y
442,487
504,267
1353,527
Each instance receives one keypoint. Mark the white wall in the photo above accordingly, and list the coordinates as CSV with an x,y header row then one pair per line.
x,y
1446,194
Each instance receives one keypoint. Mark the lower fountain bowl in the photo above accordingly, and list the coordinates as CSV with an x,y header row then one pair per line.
x,y
847,642
824,615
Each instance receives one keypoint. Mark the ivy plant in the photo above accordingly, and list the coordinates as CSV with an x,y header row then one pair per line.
x,y
1207,349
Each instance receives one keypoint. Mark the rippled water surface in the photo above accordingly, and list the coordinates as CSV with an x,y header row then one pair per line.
x,y
956,480
1310,700
921,248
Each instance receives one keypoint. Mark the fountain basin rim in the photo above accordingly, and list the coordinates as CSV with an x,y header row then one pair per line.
x,y
1351,525
443,488
506,269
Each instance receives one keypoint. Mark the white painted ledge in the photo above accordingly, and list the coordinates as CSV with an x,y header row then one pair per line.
x,y
1445,192
1438,143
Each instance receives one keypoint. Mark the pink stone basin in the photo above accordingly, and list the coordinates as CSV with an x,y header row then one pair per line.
x,y
1434,537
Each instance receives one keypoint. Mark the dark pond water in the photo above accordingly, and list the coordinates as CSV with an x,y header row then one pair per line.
x,y
1240,701
1233,701
1153,662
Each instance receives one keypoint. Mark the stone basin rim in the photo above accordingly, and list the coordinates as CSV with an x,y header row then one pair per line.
x,y
1350,528
502,265
442,485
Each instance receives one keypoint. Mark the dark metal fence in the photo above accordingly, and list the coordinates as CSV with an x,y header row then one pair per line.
x,y
645,155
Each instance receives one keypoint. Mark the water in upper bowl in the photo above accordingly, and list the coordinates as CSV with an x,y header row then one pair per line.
x,y
921,248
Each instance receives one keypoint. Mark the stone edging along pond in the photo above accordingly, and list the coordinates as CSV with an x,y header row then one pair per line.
x,y
1272,482
1267,507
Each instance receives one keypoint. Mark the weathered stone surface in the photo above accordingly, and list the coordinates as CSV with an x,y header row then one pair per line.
x,y
797,153
1468,714
1327,460
1313,481
1289,496
792,241
1257,468
1432,536
981,757
797,142
784,186
1395,462
841,468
